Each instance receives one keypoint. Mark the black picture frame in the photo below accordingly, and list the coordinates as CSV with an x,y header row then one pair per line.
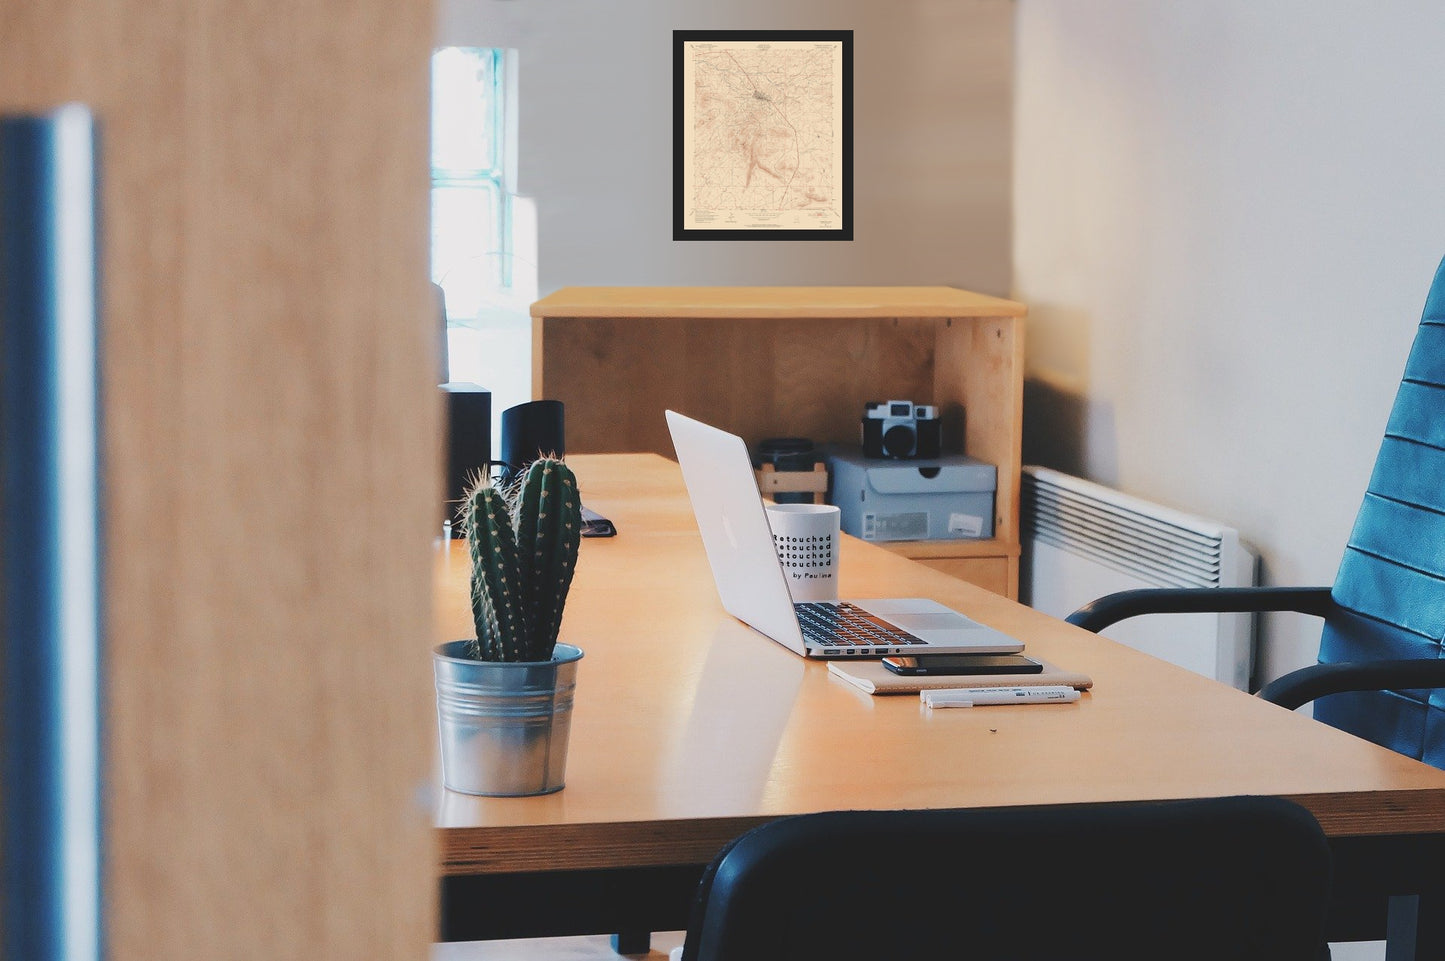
x,y
760,223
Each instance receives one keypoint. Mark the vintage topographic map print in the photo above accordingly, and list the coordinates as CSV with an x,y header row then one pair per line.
x,y
762,135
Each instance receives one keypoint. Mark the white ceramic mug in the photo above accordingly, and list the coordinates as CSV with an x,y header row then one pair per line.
x,y
806,538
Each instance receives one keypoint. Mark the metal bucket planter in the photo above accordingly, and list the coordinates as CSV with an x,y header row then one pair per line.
x,y
504,726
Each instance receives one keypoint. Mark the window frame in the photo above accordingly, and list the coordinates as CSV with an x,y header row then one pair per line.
x,y
491,177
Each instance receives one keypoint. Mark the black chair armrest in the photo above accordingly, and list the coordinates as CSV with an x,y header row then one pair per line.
x,y
1099,614
1304,685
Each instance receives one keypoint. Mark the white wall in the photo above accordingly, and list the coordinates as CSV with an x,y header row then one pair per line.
x,y
932,142
1227,216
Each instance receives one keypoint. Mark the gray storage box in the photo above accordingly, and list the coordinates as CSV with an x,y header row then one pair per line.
x,y
947,498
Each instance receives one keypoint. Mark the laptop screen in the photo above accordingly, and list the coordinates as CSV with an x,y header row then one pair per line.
x,y
734,528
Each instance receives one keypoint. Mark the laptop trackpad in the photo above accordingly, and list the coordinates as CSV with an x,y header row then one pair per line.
x,y
949,629
924,624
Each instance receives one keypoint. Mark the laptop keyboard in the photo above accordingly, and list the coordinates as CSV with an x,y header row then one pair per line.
x,y
850,629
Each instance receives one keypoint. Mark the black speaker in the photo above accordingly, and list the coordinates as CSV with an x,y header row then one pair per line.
x,y
469,442
530,431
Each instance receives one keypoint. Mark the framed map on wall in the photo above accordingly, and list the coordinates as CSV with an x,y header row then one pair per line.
x,y
762,135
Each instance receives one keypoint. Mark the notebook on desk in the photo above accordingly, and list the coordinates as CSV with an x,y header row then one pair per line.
x,y
753,588
874,678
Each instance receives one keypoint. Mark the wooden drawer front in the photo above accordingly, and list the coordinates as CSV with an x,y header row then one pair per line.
x,y
990,573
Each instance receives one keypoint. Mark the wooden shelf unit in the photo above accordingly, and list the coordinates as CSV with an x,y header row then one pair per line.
x,y
795,361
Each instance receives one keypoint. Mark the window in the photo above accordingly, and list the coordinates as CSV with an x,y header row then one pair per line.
x,y
483,235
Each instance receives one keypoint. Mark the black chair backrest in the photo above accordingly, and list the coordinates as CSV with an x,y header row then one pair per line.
x,y
1390,589
1237,878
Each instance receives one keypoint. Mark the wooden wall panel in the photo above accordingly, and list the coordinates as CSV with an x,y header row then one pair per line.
x,y
271,437
993,380
760,378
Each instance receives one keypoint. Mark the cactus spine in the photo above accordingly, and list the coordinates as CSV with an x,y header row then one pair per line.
x,y
548,518
523,547
497,599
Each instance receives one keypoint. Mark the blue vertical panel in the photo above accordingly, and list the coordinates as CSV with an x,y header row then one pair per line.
x,y
50,703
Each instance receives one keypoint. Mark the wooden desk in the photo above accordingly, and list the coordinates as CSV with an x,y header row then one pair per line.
x,y
690,728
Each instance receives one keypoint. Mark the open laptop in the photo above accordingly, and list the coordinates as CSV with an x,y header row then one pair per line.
x,y
754,589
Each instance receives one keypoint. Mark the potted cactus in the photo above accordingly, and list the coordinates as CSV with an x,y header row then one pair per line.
x,y
504,696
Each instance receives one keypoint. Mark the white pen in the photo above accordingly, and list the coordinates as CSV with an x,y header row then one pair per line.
x,y
982,696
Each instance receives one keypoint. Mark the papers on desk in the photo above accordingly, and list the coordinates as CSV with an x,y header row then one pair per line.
x,y
873,677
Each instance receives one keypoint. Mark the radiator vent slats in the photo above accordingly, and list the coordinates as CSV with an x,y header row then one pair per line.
x,y
1081,541
1161,547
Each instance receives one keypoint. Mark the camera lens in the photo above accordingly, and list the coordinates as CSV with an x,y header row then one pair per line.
x,y
898,441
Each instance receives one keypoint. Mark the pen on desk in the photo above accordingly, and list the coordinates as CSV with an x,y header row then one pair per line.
x,y
984,696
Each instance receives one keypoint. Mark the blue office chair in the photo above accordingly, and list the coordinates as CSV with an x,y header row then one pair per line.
x,y
1382,666
1238,878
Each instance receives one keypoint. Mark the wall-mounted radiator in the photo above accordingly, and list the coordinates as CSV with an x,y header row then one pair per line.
x,y
1082,541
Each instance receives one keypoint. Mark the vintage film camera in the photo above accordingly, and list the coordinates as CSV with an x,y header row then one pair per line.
x,y
901,429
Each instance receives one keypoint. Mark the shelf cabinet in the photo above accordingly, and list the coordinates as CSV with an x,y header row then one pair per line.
x,y
795,361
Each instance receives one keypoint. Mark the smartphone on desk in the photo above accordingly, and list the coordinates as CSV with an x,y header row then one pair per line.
x,y
595,525
936,664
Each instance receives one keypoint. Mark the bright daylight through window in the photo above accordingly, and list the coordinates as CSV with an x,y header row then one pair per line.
x,y
483,250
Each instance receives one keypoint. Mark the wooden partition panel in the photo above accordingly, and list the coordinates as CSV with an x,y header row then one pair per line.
x,y
271,446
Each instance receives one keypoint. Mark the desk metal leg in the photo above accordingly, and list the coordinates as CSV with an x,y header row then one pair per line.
x,y
1416,928
632,942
